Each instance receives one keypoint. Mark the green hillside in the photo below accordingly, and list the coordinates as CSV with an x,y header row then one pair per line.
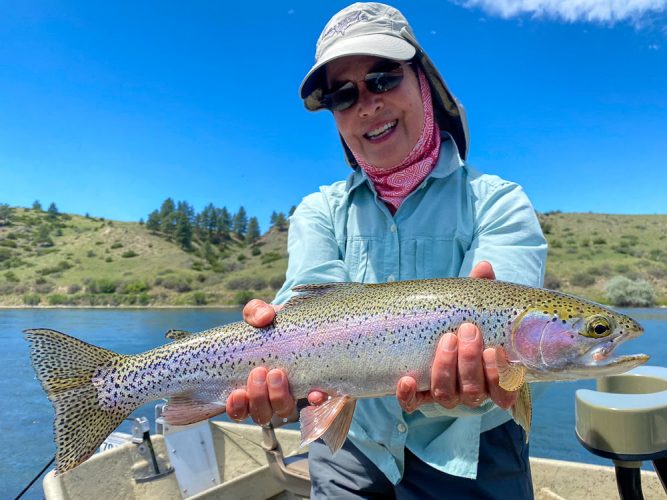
x,y
60,259
587,250
83,261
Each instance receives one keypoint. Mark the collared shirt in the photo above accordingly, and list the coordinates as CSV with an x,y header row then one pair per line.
x,y
456,218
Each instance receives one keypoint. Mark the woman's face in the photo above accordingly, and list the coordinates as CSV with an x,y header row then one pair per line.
x,y
383,128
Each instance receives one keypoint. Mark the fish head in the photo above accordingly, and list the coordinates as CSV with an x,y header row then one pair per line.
x,y
562,337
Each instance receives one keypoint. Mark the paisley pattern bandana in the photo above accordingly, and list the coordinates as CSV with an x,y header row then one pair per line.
x,y
395,184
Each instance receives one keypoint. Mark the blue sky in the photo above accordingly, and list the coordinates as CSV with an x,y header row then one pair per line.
x,y
109,108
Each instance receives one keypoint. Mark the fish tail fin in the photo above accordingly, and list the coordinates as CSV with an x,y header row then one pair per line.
x,y
65,367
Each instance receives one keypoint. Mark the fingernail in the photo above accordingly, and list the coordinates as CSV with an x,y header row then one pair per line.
x,y
410,403
449,342
275,379
467,332
258,377
489,356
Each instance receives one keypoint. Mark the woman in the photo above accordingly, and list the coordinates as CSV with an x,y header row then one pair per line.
x,y
411,209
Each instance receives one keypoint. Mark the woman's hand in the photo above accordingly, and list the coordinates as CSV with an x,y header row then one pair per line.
x,y
267,391
463,371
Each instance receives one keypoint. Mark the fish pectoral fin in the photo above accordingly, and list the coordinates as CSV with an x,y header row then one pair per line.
x,y
522,410
331,421
177,334
184,409
511,375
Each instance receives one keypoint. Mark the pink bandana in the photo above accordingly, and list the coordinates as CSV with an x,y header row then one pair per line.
x,y
395,184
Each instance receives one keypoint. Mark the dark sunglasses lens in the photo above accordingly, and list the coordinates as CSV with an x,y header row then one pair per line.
x,y
379,83
342,98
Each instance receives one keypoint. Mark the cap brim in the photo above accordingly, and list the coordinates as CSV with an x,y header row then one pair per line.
x,y
379,45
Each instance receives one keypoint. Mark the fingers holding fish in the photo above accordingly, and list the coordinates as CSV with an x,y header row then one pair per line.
x,y
470,366
483,270
282,402
501,397
317,397
259,405
258,313
237,405
406,394
444,377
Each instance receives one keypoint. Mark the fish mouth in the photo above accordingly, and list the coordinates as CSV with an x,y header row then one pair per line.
x,y
598,361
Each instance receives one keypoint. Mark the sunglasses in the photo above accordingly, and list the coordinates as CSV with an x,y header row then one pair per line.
x,y
377,82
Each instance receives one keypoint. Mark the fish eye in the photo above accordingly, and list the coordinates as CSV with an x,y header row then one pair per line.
x,y
598,327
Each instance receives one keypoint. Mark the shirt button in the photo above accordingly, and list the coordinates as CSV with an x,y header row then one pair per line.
x,y
390,278
393,228
401,427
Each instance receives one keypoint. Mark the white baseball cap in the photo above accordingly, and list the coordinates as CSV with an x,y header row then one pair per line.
x,y
376,29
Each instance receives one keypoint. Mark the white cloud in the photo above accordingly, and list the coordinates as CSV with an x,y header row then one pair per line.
x,y
654,46
602,11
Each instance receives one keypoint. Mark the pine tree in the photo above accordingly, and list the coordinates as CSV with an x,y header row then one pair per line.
x,y
240,223
153,222
168,216
281,221
208,221
224,222
186,209
253,233
52,210
183,231
5,214
37,206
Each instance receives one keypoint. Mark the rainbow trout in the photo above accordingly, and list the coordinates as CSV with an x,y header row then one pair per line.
x,y
348,339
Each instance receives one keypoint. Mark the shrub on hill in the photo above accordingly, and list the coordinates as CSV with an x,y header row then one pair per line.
x,y
583,279
622,291
31,299
247,282
101,285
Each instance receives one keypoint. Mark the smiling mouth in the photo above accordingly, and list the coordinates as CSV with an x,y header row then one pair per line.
x,y
382,131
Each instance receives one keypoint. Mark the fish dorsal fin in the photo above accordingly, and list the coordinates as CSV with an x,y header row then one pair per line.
x,y
522,410
331,421
185,409
307,292
177,334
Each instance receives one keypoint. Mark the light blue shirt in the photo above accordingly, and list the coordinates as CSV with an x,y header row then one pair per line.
x,y
456,218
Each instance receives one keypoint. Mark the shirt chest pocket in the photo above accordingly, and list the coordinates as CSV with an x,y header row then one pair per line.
x,y
417,258
371,260
362,259
424,258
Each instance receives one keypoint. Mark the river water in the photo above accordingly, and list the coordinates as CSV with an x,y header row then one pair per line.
x,y
26,437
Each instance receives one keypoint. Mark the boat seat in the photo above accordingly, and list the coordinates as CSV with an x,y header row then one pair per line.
x,y
624,420
290,472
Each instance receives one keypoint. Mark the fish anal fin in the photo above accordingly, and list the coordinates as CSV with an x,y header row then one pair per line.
x,y
511,375
522,410
331,421
184,409
174,334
